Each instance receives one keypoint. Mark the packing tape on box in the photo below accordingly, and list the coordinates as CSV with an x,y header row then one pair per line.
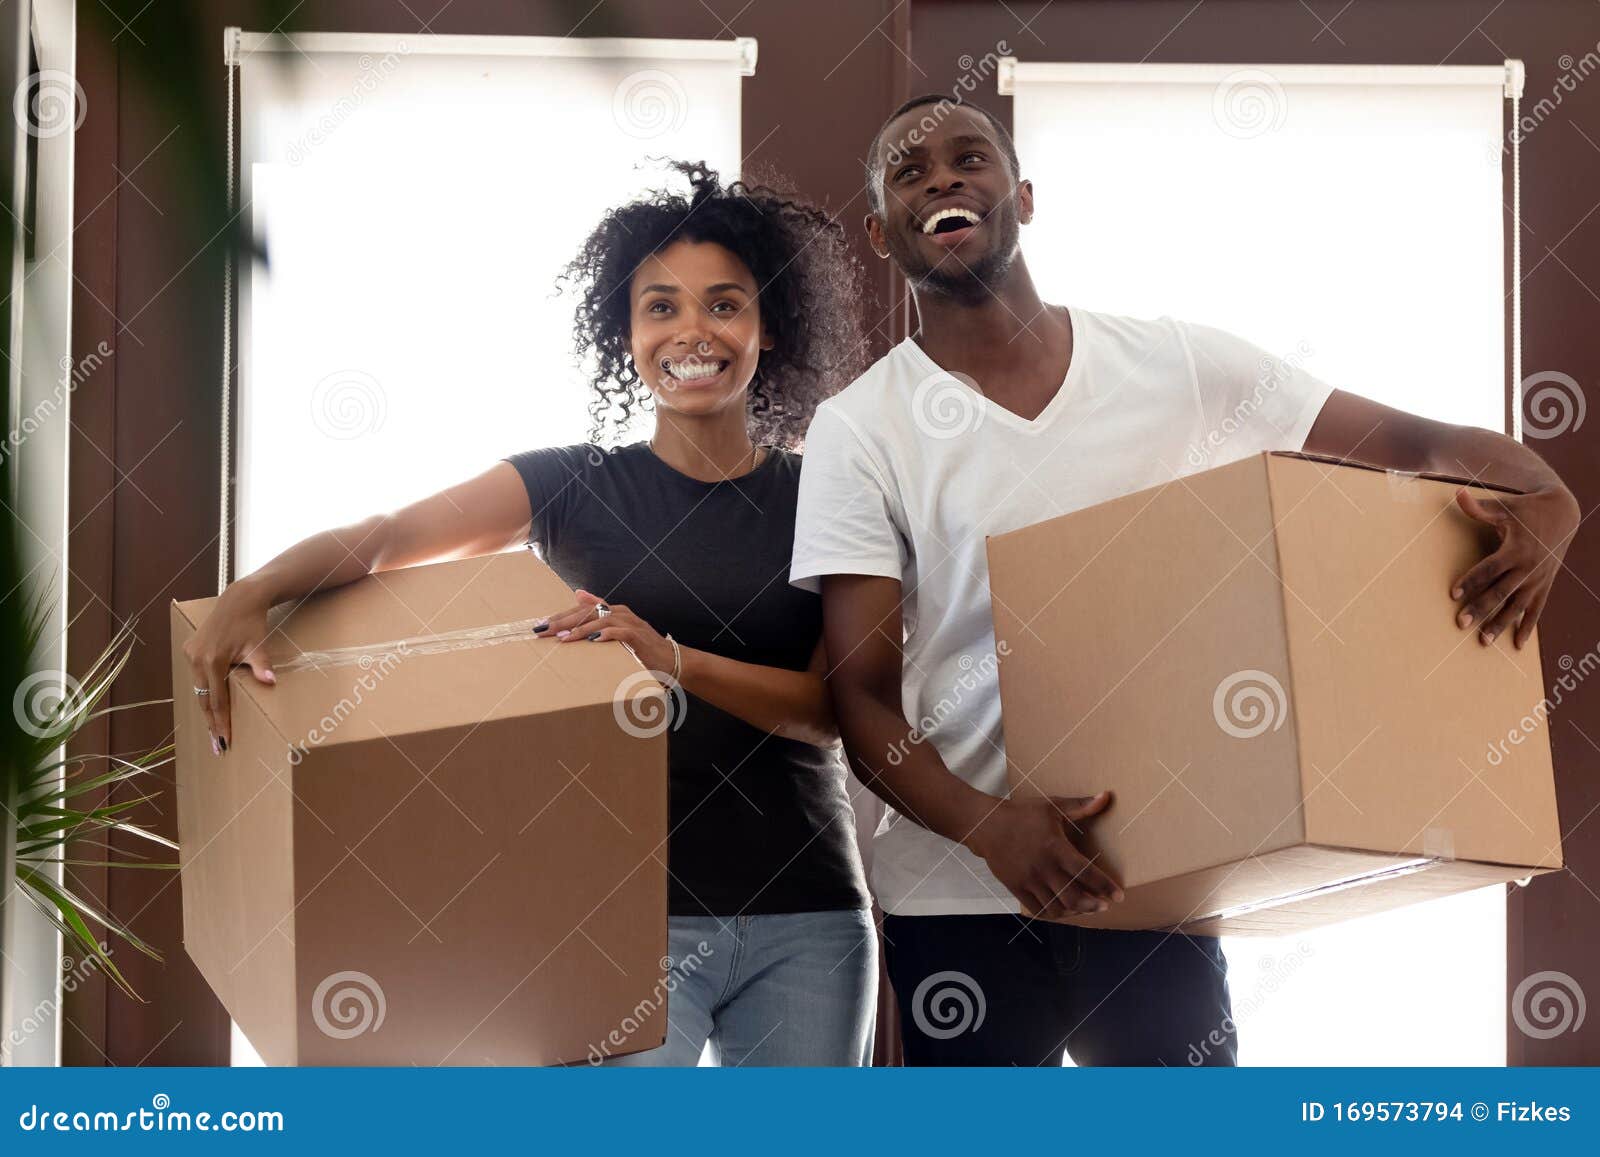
x,y
369,655
1345,883
1403,485
1439,844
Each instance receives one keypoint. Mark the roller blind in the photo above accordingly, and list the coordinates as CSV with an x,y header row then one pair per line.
x,y
415,197
1349,217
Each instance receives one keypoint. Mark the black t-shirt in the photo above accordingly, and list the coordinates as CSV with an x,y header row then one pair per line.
x,y
759,823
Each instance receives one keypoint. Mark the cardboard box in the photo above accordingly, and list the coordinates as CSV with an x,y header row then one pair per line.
x,y
1261,661
437,839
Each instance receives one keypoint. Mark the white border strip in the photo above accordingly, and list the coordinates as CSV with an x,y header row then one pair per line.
x,y
742,50
1046,72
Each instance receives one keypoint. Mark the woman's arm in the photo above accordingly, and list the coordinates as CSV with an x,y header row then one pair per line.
x,y
484,515
793,704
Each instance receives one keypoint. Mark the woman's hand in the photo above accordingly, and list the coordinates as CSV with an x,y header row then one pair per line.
x,y
234,632
581,624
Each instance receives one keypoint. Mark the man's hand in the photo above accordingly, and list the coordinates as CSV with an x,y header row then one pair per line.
x,y
1028,845
1513,582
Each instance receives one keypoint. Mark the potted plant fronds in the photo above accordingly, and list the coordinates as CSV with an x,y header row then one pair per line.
x,y
63,804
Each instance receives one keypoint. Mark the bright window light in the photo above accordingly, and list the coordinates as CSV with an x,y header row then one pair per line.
x,y
416,201
1351,221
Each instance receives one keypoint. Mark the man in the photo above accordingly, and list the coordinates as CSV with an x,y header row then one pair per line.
x,y
998,412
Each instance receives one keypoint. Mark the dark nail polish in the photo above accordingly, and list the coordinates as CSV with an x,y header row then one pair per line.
x,y
541,627
593,636
222,743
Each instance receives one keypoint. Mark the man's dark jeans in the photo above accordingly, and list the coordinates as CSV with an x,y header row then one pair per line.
x,y
1005,990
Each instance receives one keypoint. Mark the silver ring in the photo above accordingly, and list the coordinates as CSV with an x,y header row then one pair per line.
x,y
202,691
601,610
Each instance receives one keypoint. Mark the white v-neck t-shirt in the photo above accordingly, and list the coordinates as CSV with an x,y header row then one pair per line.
x,y
908,468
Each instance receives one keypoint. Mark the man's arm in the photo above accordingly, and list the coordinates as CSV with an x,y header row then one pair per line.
x,y
1026,843
1535,527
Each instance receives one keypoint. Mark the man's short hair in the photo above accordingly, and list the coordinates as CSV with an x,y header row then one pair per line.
x,y
875,190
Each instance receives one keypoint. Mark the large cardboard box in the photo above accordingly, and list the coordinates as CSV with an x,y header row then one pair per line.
x,y
1262,662
437,839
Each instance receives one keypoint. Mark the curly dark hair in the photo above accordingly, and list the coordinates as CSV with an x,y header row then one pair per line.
x,y
809,287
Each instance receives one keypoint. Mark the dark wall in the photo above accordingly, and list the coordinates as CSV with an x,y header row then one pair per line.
x,y
149,266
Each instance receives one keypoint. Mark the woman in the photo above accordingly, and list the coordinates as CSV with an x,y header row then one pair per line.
x,y
729,312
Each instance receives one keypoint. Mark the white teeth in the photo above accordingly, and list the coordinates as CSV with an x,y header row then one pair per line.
x,y
966,215
692,371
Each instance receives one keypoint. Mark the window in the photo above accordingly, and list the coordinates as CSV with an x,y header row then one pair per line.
x,y
1349,219
416,198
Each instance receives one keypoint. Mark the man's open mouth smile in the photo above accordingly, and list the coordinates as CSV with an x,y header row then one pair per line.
x,y
949,227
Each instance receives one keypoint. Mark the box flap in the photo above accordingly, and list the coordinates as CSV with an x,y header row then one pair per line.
x,y
395,690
